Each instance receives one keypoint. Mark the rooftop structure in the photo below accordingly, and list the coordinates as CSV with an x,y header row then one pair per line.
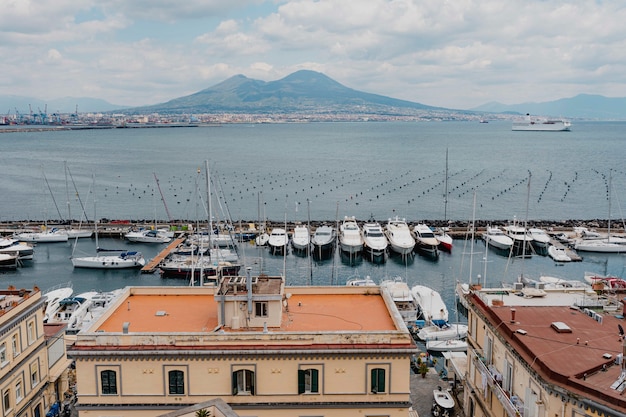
x,y
541,348
260,346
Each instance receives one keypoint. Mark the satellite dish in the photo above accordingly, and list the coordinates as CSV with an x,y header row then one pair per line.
x,y
621,329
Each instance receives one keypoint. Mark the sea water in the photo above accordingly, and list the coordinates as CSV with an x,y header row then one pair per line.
x,y
317,171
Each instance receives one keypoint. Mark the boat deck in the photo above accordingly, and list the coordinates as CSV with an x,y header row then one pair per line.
x,y
151,265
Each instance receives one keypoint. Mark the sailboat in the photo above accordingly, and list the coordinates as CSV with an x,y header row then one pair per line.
x,y
107,259
441,234
73,233
610,244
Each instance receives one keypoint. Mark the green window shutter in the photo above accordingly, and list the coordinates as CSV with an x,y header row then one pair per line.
x,y
381,380
252,380
314,380
300,381
234,375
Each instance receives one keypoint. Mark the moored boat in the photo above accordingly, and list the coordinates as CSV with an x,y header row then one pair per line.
x,y
278,241
350,238
426,241
301,240
323,240
495,237
399,236
147,236
374,240
52,235
558,254
450,345
402,298
443,405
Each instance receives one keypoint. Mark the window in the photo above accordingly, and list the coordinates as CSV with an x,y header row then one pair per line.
x,y
108,381
31,332
18,392
34,374
507,383
377,380
37,411
15,345
3,354
6,400
243,382
308,381
176,382
260,309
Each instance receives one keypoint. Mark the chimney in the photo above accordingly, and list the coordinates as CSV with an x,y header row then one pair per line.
x,y
512,315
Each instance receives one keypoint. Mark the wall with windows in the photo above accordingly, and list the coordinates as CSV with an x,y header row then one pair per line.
x,y
23,357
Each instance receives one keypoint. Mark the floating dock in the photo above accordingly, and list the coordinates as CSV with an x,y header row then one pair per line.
x,y
152,265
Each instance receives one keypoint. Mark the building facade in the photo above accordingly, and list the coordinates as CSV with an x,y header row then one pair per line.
x,y
544,352
27,387
263,348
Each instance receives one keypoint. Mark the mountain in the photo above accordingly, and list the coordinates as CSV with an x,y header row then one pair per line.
x,y
582,106
24,105
301,91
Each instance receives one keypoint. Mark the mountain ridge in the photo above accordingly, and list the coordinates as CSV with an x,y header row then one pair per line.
x,y
307,91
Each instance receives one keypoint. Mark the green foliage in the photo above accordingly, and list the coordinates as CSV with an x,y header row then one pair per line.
x,y
203,413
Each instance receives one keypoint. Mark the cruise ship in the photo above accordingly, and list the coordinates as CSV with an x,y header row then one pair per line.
x,y
546,125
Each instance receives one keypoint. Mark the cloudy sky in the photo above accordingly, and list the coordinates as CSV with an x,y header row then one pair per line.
x,y
450,53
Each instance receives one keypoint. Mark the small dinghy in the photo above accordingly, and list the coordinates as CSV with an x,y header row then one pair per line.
x,y
443,405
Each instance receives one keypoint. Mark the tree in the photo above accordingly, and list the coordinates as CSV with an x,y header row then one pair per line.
x,y
203,413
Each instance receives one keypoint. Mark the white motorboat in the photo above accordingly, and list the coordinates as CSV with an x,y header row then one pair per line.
x,y
23,250
431,306
278,241
425,239
8,260
72,310
301,240
445,332
52,235
609,244
541,125
558,254
541,239
323,240
350,237
360,282
522,240
450,345
495,237
443,405
399,236
53,296
374,240
147,236
402,298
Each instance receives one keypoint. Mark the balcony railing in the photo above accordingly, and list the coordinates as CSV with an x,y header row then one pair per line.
x,y
512,409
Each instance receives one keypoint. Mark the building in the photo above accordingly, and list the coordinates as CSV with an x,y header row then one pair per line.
x,y
263,348
544,351
33,363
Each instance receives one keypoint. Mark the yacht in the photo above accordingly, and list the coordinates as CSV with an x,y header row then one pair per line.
x,y
148,236
323,240
399,236
425,239
522,240
541,239
47,236
374,240
278,241
542,125
301,240
350,237
495,237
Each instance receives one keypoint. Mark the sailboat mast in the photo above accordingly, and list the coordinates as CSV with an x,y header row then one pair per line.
x,y
445,195
472,237
208,194
67,193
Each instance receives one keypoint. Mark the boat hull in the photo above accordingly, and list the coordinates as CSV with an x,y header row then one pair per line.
x,y
107,262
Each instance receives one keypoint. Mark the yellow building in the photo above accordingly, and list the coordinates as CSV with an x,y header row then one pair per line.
x,y
33,367
265,349
544,352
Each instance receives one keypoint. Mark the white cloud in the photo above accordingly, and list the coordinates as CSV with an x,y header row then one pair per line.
x,y
452,53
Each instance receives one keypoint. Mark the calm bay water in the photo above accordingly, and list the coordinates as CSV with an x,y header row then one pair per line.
x,y
317,171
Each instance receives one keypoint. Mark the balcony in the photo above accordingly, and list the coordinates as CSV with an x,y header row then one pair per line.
x,y
513,406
